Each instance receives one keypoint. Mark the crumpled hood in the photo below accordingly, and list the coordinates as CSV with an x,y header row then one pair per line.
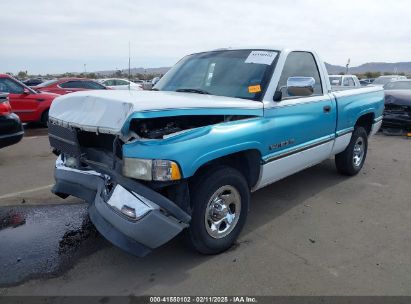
x,y
107,111
398,97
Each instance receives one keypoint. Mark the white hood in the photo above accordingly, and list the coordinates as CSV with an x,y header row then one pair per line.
x,y
107,111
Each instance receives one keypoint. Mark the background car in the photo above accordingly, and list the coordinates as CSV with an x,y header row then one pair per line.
x,y
28,104
344,82
11,130
383,80
68,85
397,112
155,80
32,82
121,84
367,81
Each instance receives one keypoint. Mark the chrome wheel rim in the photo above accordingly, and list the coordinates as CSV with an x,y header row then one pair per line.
x,y
358,154
222,212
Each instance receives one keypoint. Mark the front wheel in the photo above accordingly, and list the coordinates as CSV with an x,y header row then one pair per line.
x,y
351,160
44,118
220,200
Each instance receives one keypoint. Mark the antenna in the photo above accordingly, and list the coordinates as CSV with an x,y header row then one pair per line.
x,y
129,64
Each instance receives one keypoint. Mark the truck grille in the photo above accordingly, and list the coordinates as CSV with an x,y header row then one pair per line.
x,y
64,139
81,143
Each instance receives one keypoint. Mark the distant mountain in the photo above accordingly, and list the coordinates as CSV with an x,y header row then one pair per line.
x,y
383,67
133,71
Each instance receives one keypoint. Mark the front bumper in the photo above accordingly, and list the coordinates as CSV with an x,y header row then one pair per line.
x,y
162,223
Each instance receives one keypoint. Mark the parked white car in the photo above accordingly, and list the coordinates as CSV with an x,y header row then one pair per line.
x,y
344,82
121,84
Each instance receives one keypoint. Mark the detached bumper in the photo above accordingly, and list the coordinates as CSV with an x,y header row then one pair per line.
x,y
160,220
397,121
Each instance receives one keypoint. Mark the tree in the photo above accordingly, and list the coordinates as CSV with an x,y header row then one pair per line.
x,y
371,74
118,73
22,74
91,75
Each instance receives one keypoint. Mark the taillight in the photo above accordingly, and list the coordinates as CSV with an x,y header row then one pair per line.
x,y
5,108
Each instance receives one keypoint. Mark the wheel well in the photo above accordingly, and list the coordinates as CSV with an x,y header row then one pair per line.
x,y
247,162
366,122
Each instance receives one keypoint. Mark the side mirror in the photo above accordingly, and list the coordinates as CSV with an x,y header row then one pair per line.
x,y
300,86
26,91
278,95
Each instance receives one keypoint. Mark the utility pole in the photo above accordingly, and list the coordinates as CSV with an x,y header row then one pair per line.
x,y
347,67
85,68
129,64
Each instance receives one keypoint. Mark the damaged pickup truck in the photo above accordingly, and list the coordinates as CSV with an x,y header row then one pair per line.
x,y
216,127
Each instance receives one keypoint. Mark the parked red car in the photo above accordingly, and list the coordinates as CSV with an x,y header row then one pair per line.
x,y
68,85
28,104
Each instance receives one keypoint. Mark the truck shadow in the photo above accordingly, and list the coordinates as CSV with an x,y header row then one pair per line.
x,y
174,262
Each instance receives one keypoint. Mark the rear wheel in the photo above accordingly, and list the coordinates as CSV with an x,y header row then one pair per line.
x,y
351,160
220,200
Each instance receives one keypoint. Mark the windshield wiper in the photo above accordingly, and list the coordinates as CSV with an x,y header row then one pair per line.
x,y
199,91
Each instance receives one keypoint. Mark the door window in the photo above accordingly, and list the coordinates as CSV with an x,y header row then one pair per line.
x,y
71,85
10,86
300,64
121,82
82,84
109,82
91,85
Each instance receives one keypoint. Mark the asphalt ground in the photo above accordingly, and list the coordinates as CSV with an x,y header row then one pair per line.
x,y
314,233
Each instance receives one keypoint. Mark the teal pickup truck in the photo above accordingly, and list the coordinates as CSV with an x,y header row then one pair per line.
x,y
187,154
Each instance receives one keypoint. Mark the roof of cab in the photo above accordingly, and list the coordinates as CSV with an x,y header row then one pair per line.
x,y
277,48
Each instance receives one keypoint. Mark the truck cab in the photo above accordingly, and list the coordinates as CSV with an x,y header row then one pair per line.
x,y
344,82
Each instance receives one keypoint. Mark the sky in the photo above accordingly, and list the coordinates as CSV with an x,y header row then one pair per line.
x,y
49,36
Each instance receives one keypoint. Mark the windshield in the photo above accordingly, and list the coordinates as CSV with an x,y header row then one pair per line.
x,y
398,85
335,80
234,73
383,80
46,83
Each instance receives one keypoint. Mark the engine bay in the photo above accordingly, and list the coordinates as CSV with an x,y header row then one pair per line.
x,y
161,127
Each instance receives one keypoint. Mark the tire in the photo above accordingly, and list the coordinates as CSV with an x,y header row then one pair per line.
x,y
213,229
44,118
351,160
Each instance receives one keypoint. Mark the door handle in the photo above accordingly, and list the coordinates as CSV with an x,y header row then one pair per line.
x,y
327,109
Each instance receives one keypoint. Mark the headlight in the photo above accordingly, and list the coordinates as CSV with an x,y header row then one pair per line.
x,y
147,169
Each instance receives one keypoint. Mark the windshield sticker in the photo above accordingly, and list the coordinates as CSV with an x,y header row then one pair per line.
x,y
261,57
254,89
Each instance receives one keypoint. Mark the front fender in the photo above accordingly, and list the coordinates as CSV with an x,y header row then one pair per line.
x,y
203,159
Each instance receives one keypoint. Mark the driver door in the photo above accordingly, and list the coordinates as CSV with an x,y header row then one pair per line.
x,y
301,128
